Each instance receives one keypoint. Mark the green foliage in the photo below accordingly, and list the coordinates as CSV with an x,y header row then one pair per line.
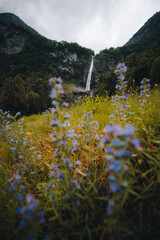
x,y
139,55
139,215
13,95
40,59
155,73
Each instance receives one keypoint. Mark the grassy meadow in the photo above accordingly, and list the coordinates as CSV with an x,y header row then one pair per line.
x,y
71,174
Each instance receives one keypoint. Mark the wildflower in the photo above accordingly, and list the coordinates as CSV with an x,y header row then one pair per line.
x,y
67,160
65,104
77,203
54,123
110,206
66,116
136,143
68,196
108,129
78,163
40,217
19,196
53,93
14,149
122,153
52,195
115,166
111,116
51,174
21,187
115,187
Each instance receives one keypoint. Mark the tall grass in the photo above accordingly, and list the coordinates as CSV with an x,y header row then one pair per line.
x,y
43,196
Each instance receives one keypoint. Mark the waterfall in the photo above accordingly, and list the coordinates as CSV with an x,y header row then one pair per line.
x,y
88,83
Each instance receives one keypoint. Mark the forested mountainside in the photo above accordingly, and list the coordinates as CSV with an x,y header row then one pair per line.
x,y
141,54
35,59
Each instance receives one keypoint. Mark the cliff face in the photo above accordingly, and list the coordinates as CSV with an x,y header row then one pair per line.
x,y
12,41
27,53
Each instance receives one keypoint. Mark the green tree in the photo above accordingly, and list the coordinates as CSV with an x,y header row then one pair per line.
x,y
34,102
13,95
155,71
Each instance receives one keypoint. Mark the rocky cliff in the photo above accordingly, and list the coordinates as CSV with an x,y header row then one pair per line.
x,y
27,53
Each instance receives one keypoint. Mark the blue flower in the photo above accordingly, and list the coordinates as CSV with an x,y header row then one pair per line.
x,y
115,166
108,129
53,93
136,143
52,195
14,149
67,160
23,223
129,130
115,187
105,139
19,196
110,206
54,123
78,163
10,190
122,153
77,203
109,150
68,196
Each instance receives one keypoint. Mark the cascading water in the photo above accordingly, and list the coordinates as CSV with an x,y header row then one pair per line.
x,y
88,83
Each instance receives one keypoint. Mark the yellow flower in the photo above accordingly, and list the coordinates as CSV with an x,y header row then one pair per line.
x,y
29,133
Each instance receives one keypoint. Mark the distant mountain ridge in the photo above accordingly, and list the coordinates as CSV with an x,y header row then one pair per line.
x,y
141,54
153,24
10,18
16,37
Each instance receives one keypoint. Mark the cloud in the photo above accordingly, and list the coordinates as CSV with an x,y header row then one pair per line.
x,y
91,23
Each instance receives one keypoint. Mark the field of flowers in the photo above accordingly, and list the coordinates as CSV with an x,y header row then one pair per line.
x,y
86,171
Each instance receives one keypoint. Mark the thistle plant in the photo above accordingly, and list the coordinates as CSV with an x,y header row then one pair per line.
x,y
120,100
89,126
144,93
117,140
62,170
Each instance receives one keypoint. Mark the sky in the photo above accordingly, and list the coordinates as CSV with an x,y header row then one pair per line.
x,y
94,24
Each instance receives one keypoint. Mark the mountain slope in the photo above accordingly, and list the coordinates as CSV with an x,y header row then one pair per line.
x,y
35,59
141,54
10,19
150,27
26,53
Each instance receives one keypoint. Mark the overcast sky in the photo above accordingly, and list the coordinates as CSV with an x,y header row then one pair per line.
x,y
95,24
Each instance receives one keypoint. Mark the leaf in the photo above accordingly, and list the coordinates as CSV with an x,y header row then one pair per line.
x,y
83,174
134,193
102,198
80,196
